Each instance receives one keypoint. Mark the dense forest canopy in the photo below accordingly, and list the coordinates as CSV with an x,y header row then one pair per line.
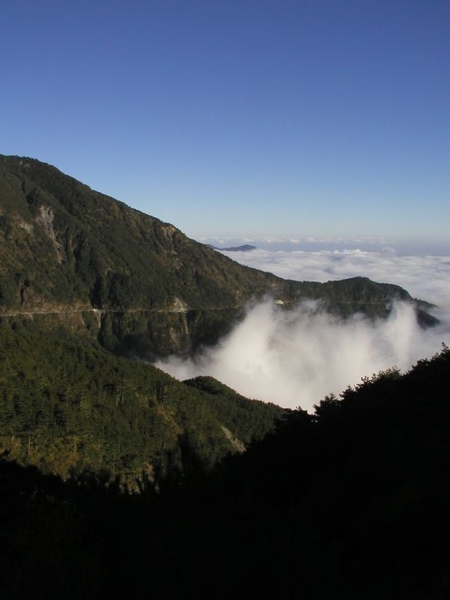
x,y
351,502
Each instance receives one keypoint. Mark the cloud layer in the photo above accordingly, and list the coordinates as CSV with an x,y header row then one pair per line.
x,y
426,277
295,358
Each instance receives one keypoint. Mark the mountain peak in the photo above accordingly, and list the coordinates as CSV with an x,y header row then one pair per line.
x,y
144,286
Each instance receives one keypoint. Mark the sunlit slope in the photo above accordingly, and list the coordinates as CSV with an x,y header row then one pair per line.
x,y
76,256
68,406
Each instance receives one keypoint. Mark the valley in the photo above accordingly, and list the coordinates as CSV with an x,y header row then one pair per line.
x,y
112,471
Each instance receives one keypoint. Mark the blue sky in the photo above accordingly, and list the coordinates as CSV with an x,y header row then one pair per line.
x,y
240,118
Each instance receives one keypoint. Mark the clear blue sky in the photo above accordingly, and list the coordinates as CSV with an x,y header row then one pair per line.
x,y
239,117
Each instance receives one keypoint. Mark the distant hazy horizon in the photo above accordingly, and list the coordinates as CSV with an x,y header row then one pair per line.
x,y
418,245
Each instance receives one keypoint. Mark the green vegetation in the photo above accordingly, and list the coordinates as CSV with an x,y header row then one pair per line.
x,y
116,480
245,419
66,249
351,502
66,405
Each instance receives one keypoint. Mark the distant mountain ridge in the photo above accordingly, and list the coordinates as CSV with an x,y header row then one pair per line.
x,y
243,248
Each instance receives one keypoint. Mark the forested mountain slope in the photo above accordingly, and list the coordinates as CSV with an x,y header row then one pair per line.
x,y
68,406
351,502
116,480
81,273
138,285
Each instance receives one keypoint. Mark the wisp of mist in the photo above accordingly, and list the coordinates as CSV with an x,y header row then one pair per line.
x,y
295,358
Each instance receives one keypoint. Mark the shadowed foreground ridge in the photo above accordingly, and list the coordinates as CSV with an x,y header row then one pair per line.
x,y
351,502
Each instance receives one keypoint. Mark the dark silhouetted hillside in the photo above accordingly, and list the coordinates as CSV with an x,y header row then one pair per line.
x,y
351,502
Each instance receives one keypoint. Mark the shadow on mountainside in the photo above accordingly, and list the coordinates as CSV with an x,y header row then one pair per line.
x,y
351,502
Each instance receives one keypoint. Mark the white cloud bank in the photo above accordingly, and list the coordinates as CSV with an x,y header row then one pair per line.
x,y
426,277
295,358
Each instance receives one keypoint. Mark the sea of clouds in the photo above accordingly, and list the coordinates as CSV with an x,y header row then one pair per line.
x,y
296,358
